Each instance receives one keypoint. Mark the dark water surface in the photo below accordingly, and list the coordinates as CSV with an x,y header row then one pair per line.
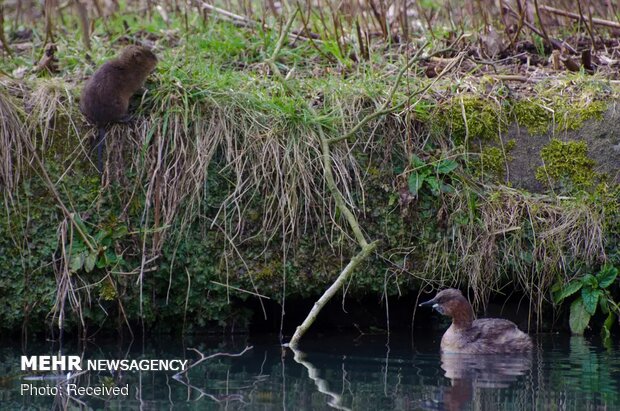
x,y
344,372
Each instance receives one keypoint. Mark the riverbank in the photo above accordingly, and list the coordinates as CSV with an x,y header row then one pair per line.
x,y
214,199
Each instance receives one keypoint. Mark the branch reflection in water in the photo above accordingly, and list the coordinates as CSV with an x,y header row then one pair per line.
x,y
322,385
183,378
332,372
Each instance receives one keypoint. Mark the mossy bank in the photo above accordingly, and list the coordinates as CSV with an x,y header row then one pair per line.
x,y
214,199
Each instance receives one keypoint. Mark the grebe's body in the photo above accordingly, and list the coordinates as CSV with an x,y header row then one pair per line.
x,y
469,336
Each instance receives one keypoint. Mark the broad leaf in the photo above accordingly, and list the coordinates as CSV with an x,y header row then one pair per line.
x,y
89,262
570,289
415,182
603,302
607,276
416,162
590,280
579,317
433,183
110,257
446,166
77,261
609,322
447,188
120,232
590,299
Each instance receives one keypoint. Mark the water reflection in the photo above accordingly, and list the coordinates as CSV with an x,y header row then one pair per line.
x,y
468,372
334,373
335,399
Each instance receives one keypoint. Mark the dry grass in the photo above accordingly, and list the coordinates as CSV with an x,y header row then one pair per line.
x,y
264,143
528,240
12,154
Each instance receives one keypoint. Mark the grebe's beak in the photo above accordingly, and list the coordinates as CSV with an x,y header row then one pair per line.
x,y
431,303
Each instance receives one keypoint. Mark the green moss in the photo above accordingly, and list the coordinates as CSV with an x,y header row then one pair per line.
x,y
492,163
572,115
566,163
485,118
566,113
565,105
533,116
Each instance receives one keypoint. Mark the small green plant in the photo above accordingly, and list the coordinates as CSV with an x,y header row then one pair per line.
x,y
101,257
434,176
594,292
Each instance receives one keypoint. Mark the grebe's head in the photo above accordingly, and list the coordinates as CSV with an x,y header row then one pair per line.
x,y
448,302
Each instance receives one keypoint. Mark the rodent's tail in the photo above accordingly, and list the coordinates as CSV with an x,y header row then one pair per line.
x,y
99,142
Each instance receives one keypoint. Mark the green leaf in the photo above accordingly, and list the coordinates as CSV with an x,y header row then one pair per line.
x,y
590,280
609,322
607,276
120,232
579,317
89,263
570,289
101,262
101,234
433,183
447,188
416,162
446,166
77,261
603,302
392,200
590,299
110,257
415,181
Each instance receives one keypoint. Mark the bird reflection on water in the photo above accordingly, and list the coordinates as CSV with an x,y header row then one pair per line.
x,y
469,372
573,373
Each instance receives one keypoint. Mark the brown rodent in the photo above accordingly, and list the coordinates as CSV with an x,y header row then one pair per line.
x,y
105,97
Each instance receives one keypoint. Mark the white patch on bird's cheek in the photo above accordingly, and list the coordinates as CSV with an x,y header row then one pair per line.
x,y
435,305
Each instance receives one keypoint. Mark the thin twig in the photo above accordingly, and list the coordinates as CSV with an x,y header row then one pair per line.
x,y
249,22
555,43
241,290
576,16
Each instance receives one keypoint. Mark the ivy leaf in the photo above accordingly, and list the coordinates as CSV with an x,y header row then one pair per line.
x,y
607,276
570,289
415,182
579,317
446,166
590,299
